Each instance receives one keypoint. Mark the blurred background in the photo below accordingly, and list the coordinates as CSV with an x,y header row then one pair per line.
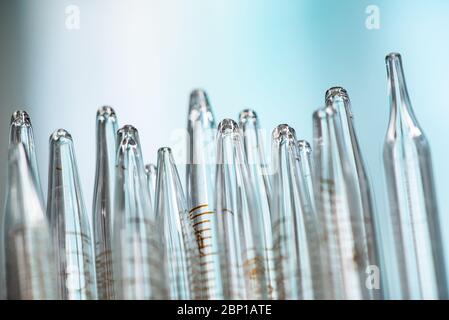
x,y
61,60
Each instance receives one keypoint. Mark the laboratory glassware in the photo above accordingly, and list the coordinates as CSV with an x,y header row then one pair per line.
x,y
200,192
173,221
360,197
30,261
21,130
259,174
344,204
151,172
69,222
295,230
103,201
413,205
137,253
237,224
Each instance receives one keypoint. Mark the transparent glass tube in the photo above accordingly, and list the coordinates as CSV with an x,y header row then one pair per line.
x,y
69,222
138,257
344,204
21,131
30,261
151,172
103,203
260,179
360,196
413,205
200,190
239,234
296,240
173,221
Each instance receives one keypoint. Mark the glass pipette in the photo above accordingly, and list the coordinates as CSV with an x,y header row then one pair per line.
x,y
173,222
21,130
359,195
200,179
30,261
69,222
343,202
413,205
254,152
106,125
295,234
239,235
138,262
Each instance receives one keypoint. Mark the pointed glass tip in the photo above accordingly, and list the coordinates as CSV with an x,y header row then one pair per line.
x,y
199,99
127,130
336,92
284,132
150,169
60,136
303,145
248,115
20,118
200,109
106,112
227,126
164,150
393,56
128,136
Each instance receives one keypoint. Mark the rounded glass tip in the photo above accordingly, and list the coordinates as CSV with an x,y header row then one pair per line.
x,y
199,100
303,145
20,118
60,136
105,112
248,115
127,130
164,150
227,126
199,108
150,169
336,92
284,132
128,136
393,56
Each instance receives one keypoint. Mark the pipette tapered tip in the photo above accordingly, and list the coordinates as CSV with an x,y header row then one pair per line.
x,y
20,118
128,136
200,110
164,150
127,130
227,126
150,168
106,112
247,115
60,136
393,56
284,132
336,92
303,145
199,101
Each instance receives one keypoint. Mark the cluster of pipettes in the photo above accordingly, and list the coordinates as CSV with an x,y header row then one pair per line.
x,y
300,226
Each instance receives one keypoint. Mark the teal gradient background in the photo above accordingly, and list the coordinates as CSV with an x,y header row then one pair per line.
x,y
278,57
